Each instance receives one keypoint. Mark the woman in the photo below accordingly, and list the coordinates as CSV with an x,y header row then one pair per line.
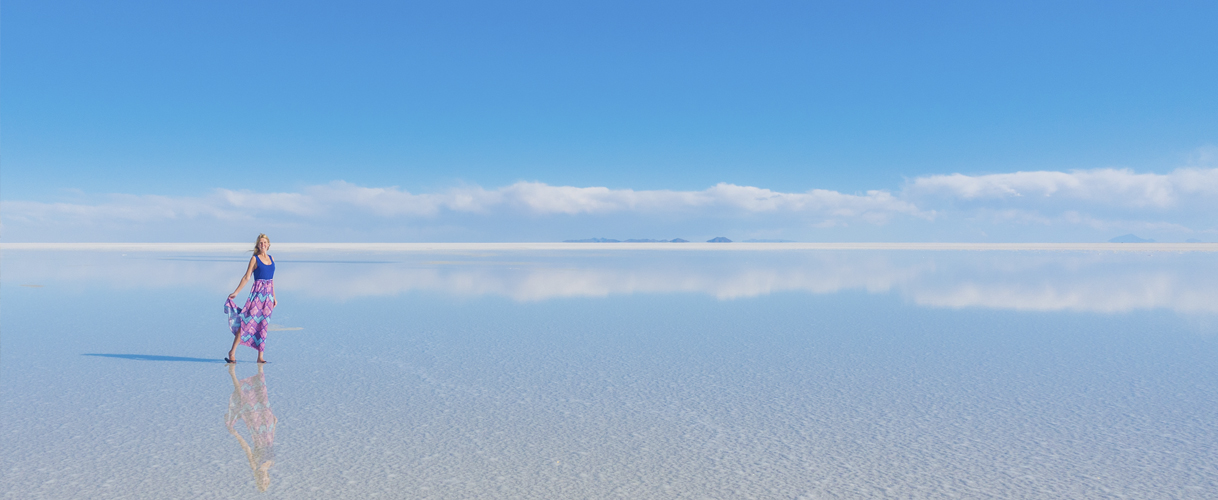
x,y
249,324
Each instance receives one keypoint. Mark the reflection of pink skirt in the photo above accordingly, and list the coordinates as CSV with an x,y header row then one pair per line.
x,y
249,404
251,321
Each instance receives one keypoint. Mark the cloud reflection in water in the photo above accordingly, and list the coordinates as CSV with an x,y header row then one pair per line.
x,y
1013,280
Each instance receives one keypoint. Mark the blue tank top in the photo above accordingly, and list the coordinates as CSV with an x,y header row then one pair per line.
x,y
264,271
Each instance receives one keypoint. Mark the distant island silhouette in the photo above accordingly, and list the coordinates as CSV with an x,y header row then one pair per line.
x,y
1129,238
718,239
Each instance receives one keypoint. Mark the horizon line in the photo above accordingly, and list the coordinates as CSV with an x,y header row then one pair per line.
x,y
424,247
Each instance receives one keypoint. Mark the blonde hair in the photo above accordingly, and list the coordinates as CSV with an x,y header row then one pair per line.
x,y
261,236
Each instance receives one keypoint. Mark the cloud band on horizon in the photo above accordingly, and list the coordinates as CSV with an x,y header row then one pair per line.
x,y
1182,201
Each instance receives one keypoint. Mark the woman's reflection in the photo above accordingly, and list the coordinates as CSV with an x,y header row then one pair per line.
x,y
249,404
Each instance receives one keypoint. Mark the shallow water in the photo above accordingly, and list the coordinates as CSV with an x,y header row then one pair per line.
x,y
626,374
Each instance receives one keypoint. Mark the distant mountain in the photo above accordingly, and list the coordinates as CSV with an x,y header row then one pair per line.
x,y
718,239
1129,238
769,241
675,240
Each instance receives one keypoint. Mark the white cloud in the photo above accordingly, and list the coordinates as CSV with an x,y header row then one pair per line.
x,y
1105,202
543,199
1102,202
1101,187
148,208
530,197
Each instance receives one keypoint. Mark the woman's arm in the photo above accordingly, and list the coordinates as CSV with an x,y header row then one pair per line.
x,y
249,453
249,271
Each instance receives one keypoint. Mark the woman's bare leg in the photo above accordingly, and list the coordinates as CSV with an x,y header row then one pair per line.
x,y
232,353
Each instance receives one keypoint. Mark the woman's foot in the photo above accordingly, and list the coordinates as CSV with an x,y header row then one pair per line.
x,y
260,360
232,357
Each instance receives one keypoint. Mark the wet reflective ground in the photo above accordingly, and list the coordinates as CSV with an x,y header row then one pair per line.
x,y
627,374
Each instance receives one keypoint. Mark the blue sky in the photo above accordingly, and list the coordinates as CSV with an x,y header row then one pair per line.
x,y
368,121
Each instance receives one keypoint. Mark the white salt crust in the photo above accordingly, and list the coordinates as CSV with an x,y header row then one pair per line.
x,y
464,247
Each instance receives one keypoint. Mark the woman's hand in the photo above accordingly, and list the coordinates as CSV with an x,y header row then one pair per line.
x,y
232,295
274,302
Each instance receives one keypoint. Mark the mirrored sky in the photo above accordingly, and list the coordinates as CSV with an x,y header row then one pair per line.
x,y
1105,282
613,374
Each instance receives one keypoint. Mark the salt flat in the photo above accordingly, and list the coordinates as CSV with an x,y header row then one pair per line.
x,y
521,372
736,246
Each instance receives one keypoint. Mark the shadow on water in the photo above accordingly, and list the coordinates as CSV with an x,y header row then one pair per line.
x,y
151,357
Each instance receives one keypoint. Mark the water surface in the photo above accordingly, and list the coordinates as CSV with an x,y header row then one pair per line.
x,y
617,374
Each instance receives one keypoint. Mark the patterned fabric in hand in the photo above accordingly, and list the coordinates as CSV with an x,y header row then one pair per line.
x,y
252,320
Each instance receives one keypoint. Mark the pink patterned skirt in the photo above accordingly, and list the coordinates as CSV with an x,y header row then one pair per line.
x,y
251,321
